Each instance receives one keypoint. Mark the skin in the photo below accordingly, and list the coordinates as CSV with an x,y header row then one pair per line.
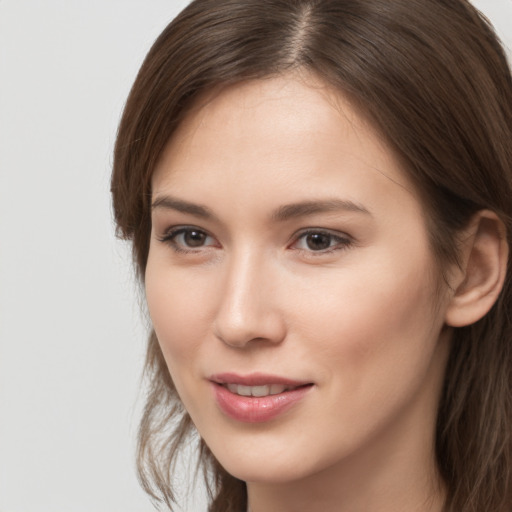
x,y
361,319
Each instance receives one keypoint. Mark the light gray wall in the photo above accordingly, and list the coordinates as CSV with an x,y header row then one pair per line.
x,y
71,336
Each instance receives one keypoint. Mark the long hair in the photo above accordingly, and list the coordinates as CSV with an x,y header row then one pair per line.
x,y
432,78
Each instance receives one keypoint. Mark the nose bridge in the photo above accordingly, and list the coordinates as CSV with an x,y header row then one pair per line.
x,y
247,305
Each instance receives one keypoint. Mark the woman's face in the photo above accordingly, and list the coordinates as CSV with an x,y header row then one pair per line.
x,y
291,285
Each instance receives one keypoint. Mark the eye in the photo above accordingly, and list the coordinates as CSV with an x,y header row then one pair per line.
x,y
321,241
184,239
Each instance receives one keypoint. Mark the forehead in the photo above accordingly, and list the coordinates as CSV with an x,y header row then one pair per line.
x,y
294,133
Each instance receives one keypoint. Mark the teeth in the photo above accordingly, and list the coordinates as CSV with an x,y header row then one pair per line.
x,y
277,388
257,391
244,390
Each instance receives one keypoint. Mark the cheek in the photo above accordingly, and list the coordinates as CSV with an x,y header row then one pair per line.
x,y
374,325
178,309
178,312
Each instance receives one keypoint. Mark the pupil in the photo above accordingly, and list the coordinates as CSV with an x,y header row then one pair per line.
x,y
318,241
194,238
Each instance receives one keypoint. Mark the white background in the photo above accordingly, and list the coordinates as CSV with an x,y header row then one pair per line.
x,y
71,333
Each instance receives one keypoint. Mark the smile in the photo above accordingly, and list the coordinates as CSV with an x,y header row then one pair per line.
x,y
257,398
257,391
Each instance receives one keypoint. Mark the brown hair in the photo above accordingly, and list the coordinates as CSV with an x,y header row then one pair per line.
x,y
434,80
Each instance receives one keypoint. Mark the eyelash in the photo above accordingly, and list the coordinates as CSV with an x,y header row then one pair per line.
x,y
170,239
340,242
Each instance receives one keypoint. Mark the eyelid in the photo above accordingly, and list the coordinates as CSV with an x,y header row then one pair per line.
x,y
171,233
341,240
344,241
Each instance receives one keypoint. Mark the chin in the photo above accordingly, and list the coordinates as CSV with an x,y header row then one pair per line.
x,y
268,473
269,466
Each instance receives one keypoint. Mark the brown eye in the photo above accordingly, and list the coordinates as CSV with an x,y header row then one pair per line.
x,y
318,241
321,241
194,238
183,239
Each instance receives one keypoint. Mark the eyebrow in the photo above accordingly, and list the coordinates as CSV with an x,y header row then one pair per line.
x,y
304,208
171,203
281,214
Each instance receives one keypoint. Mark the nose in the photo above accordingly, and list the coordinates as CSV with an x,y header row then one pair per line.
x,y
248,309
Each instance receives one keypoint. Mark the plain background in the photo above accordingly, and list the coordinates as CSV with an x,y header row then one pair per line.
x,y
71,333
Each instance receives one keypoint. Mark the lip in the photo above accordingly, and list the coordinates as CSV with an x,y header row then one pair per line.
x,y
256,409
255,379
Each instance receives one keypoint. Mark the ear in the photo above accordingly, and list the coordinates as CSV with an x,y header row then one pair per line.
x,y
478,282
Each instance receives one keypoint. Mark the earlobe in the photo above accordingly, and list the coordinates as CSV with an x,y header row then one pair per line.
x,y
483,268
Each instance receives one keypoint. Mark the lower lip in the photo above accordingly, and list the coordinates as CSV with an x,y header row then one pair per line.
x,y
250,409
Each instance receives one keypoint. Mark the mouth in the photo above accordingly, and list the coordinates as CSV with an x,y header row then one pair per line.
x,y
257,384
260,391
257,398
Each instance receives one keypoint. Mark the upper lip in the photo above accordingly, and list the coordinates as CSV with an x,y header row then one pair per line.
x,y
255,379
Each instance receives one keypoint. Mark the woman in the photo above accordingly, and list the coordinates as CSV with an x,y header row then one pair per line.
x,y
318,196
